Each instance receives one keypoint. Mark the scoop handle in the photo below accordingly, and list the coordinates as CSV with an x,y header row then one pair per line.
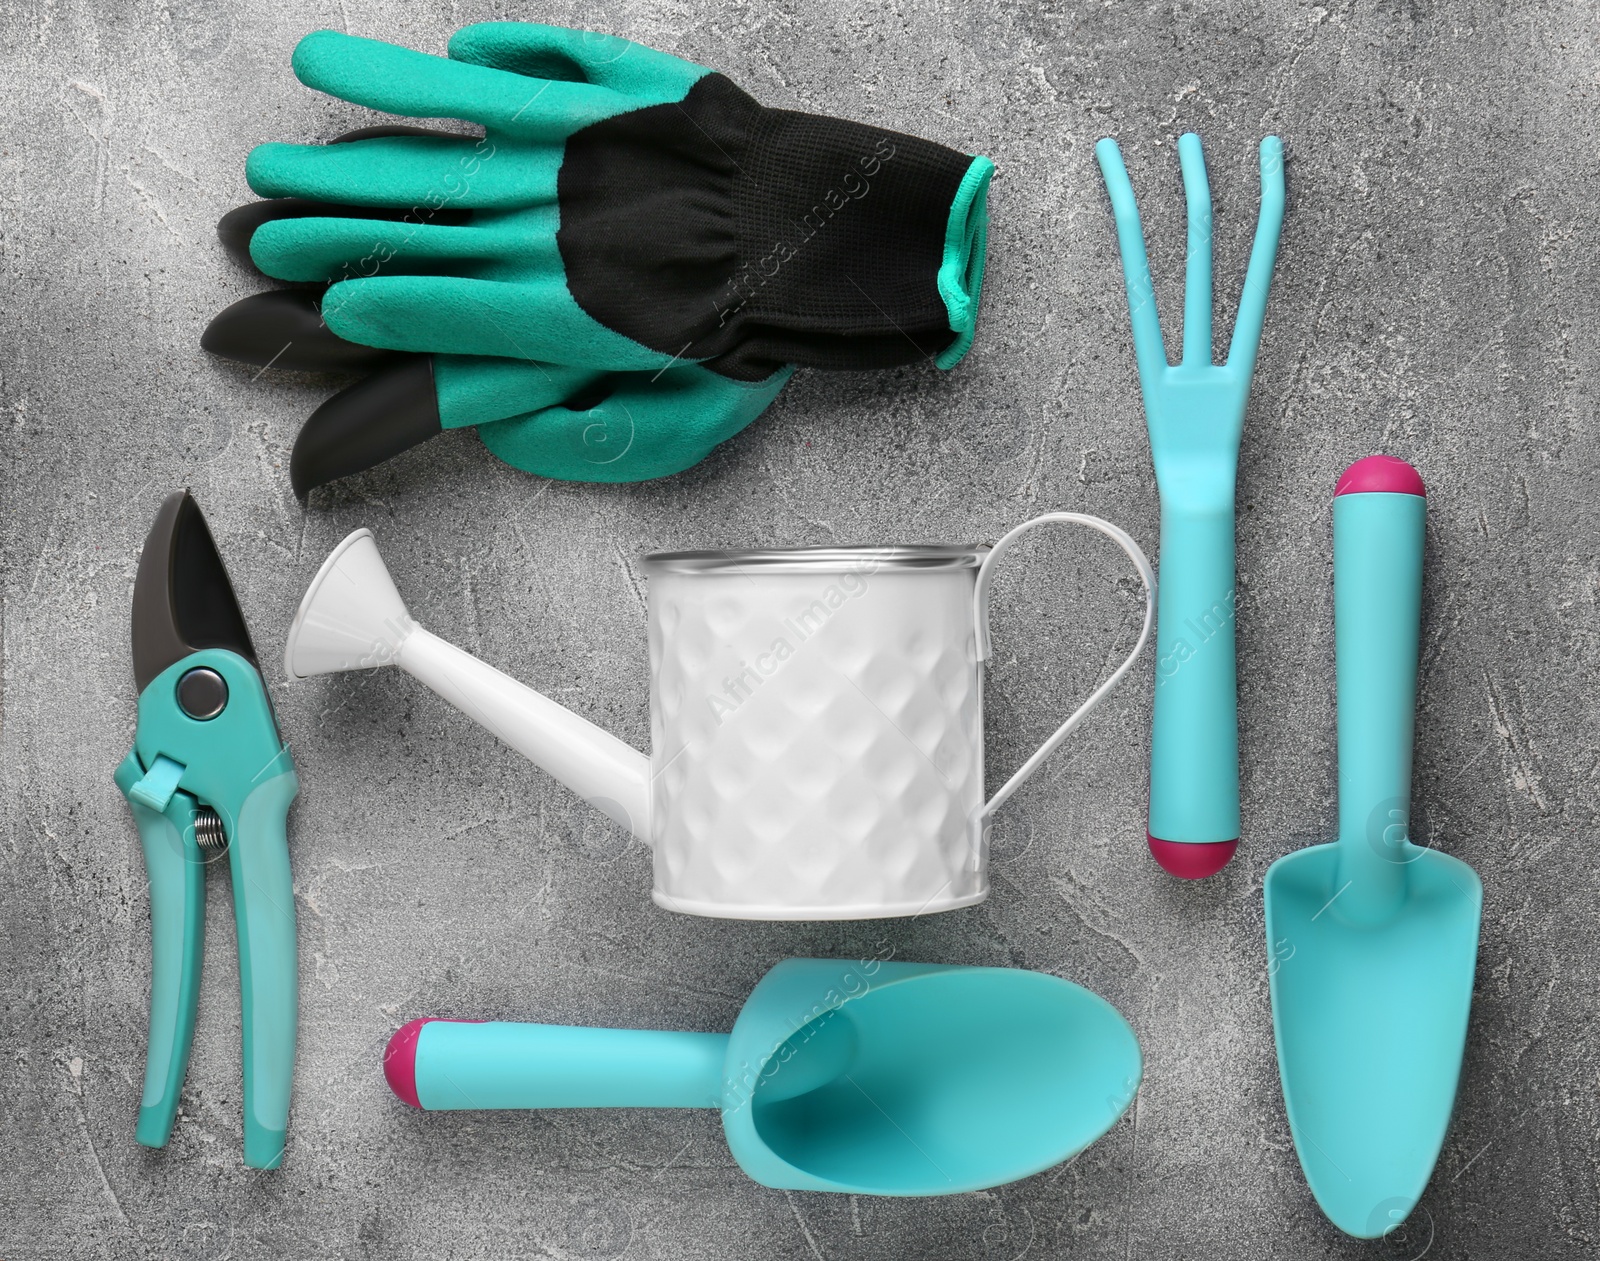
x,y
449,1065
1379,512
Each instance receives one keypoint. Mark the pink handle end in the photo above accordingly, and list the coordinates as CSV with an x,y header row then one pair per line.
x,y
1378,474
1191,860
400,1061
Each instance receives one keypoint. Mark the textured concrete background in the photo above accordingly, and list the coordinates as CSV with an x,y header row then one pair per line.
x,y
1436,297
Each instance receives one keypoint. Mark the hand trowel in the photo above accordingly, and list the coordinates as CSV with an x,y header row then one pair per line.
x,y
1373,939
875,1078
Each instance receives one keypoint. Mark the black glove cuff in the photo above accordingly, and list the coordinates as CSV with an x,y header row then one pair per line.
x,y
768,237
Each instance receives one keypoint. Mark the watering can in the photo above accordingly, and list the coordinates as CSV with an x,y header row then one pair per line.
x,y
870,1077
816,718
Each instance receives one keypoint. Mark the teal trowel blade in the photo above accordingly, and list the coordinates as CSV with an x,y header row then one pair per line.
x,y
1371,1024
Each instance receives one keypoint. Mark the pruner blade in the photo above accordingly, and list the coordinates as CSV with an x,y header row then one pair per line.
x,y
183,600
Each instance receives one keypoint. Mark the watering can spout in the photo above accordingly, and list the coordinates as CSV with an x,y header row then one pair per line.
x,y
352,618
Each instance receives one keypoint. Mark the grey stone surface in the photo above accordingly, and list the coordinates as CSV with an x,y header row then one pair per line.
x,y
1436,298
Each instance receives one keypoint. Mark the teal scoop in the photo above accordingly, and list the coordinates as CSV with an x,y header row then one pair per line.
x,y
1372,941
871,1077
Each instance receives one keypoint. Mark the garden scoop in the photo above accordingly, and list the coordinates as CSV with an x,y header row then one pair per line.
x,y
1372,940
870,1077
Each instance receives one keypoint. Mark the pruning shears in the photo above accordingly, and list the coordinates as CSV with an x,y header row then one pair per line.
x,y
208,771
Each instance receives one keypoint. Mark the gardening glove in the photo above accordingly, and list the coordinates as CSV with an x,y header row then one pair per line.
x,y
628,210
558,421
572,424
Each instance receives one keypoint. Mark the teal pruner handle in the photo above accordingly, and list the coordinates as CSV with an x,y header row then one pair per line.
x,y
235,764
457,1064
263,909
176,870
1378,520
1194,411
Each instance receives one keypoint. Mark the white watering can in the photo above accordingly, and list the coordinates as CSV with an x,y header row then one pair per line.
x,y
816,718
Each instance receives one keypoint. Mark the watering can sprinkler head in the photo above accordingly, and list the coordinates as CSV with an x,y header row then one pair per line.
x,y
352,618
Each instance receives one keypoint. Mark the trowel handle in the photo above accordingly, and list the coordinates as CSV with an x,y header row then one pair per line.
x,y
443,1065
1378,520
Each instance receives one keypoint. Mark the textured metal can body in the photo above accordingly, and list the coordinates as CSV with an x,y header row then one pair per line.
x,y
817,740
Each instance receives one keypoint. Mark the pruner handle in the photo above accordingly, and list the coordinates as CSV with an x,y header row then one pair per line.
x,y
234,764
175,868
263,906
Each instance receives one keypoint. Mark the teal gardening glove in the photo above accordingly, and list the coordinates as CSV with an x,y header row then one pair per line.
x,y
555,420
626,212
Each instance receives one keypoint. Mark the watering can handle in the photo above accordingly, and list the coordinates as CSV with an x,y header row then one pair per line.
x,y
980,607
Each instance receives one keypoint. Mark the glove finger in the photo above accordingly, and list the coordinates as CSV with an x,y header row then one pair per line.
x,y
284,329
409,402
631,427
419,85
331,249
236,228
379,417
474,390
383,131
415,172
559,52
534,319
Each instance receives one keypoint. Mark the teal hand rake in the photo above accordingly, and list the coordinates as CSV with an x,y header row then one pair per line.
x,y
1195,414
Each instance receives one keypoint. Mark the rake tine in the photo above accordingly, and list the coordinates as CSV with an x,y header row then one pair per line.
x,y
1197,274
1148,349
1258,277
